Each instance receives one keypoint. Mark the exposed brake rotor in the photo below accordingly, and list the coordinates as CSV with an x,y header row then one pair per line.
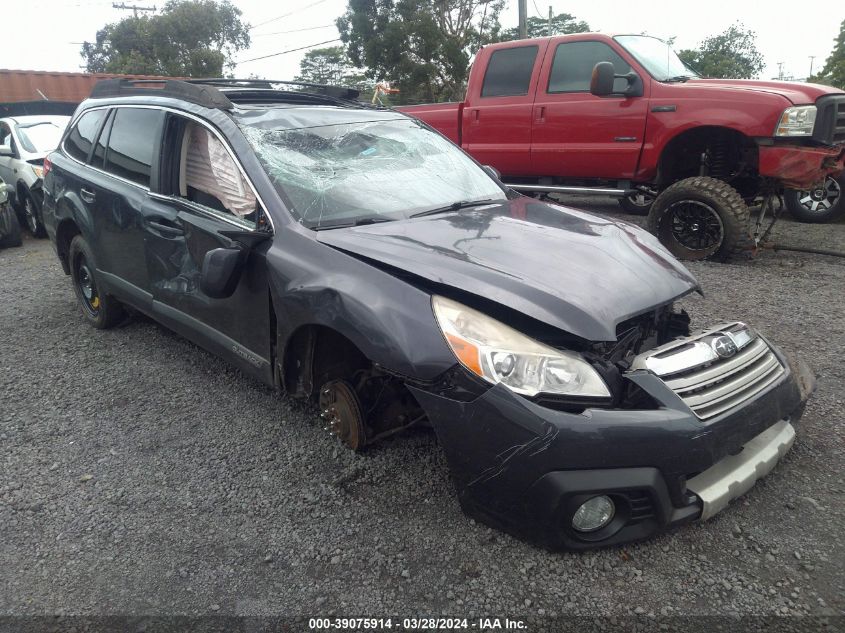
x,y
340,409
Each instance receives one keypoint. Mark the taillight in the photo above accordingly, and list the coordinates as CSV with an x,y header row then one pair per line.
x,y
48,165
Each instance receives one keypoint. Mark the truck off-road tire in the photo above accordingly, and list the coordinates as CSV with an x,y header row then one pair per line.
x,y
823,204
639,202
13,236
702,218
102,311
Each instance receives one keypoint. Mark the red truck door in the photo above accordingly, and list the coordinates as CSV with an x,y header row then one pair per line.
x,y
576,134
497,116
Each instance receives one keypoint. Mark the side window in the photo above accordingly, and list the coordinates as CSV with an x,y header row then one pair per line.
x,y
99,157
209,176
573,66
78,142
509,72
133,141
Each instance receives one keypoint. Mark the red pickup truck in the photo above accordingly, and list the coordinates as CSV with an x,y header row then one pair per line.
x,y
622,115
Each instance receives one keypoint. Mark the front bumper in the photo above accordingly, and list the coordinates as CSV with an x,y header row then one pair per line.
x,y
525,468
800,167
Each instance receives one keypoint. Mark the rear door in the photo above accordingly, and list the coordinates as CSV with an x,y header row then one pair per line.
x,y
125,169
497,116
576,134
204,193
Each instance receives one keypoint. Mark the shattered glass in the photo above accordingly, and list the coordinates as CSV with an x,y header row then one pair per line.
x,y
366,171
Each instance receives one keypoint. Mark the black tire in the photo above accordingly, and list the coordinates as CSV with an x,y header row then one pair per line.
x,y
102,311
823,204
13,236
638,203
701,218
31,210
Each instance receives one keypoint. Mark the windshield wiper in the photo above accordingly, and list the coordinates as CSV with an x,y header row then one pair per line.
x,y
346,225
455,206
678,79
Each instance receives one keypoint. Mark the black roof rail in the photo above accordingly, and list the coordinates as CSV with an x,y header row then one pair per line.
x,y
338,92
206,96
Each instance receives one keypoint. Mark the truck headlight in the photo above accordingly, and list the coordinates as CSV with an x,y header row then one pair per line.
x,y
39,171
797,121
499,354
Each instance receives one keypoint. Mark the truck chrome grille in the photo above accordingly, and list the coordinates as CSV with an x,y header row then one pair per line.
x,y
709,380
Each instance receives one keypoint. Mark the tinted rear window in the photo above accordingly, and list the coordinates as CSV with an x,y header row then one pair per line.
x,y
78,142
509,72
134,137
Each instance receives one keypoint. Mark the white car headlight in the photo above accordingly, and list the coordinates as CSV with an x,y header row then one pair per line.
x,y
499,354
797,121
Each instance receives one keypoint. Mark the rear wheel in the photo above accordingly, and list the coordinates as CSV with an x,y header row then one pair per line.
x,y
701,218
822,204
99,309
639,202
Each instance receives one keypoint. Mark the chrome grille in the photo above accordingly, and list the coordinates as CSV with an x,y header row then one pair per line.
x,y
830,120
708,383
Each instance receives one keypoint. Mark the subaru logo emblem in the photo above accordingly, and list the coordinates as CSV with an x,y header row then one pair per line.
x,y
724,347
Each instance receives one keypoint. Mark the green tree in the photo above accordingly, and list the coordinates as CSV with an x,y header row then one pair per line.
x,y
728,55
833,73
325,66
189,38
562,24
423,47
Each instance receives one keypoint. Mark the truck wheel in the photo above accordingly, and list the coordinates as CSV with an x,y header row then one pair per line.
x,y
822,204
701,218
639,202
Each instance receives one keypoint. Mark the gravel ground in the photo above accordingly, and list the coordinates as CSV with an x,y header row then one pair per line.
x,y
141,475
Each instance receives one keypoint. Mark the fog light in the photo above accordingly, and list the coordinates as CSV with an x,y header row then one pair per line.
x,y
594,514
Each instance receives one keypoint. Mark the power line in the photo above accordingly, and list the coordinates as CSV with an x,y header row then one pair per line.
x,y
310,28
284,15
293,50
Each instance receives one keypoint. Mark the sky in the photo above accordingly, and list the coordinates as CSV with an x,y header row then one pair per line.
x,y
787,32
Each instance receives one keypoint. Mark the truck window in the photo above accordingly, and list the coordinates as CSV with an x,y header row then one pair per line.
x,y
509,72
132,143
574,62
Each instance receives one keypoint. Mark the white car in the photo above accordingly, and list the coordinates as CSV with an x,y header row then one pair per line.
x,y
24,142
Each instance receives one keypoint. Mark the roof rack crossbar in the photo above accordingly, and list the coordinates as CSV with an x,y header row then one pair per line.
x,y
339,92
206,96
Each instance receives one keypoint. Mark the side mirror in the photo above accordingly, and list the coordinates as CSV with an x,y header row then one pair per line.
x,y
6,150
604,76
494,173
221,271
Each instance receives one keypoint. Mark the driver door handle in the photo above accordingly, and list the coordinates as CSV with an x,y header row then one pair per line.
x,y
87,195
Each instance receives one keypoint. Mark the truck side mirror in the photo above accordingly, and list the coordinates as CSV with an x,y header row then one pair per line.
x,y
604,76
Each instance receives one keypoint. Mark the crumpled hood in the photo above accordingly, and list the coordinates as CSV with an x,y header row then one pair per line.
x,y
574,271
797,93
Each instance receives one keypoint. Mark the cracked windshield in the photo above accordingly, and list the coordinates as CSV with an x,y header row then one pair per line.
x,y
371,171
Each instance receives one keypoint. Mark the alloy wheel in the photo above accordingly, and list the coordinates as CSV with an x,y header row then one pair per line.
x,y
821,198
696,226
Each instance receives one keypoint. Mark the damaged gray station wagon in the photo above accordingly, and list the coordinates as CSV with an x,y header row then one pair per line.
x,y
352,255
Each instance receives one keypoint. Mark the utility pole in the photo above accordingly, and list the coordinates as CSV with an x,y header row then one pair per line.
x,y
133,7
549,29
812,58
780,70
523,19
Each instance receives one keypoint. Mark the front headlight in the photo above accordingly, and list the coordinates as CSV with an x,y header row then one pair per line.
x,y
39,171
797,121
499,354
